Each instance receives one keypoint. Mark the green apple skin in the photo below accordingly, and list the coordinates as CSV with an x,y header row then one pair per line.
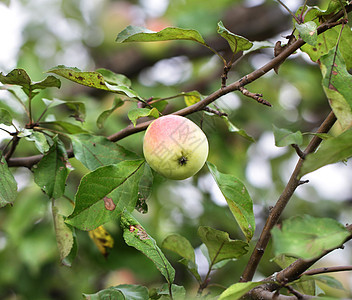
x,y
175,147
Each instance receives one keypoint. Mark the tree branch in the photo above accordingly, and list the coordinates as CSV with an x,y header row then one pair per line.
x,y
294,271
269,295
281,203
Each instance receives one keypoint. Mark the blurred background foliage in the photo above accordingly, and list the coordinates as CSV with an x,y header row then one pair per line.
x,y
38,35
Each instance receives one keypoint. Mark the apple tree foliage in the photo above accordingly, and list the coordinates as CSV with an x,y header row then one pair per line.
x,y
117,185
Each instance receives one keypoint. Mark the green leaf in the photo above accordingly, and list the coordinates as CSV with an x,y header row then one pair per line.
x,y
308,32
5,117
220,246
237,290
8,185
234,129
237,43
17,77
178,292
237,198
328,39
51,172
50,81
114,78
258,45
334,6
64,127
94,80
337,84
329,281
160,105
104,193
107,113
133,292
135,114
181,246
64,236
144,189
305,285
136,236
128,292
97,151
39,140
192,268
331,151
68,260
110,293
285,137
283,261
21,78
140,34
308,237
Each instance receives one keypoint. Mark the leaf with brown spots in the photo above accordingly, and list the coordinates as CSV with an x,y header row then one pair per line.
x,y
115,83
109,204
119,182
136,236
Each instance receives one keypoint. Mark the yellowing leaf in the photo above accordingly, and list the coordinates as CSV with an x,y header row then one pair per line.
x,y
102,239
192,98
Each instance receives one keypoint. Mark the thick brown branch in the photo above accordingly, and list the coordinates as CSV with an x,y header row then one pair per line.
x,y
280,205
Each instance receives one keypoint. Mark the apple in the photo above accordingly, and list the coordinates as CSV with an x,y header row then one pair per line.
x,y
175,147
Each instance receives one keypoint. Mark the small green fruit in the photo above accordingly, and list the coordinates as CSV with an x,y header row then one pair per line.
x,y
175,147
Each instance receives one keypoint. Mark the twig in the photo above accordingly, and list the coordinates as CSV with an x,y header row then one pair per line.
x,y
302,182
327,270
14,144
302,12
257,97
3,129
294,292
299,152
206,280
281,203
290,12
235,58
215,112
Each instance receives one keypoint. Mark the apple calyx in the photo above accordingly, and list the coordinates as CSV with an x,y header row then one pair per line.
x,y
182,161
